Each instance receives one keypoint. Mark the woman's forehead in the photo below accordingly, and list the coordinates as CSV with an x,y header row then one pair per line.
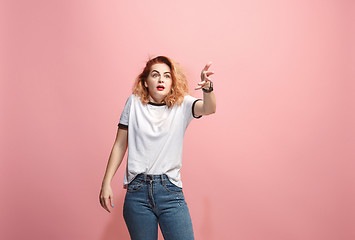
x,y
160,67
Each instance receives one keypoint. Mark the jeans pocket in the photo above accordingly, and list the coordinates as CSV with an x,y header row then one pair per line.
x,y
171,187
135,185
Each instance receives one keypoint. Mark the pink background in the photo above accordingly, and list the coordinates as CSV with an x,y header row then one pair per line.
x,y
276,161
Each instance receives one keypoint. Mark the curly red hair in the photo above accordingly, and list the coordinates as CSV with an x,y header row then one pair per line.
x,y
179,87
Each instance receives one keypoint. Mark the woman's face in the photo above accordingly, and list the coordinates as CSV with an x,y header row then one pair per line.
x,y
159,82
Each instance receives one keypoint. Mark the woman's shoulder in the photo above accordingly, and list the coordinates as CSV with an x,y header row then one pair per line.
x,y
134,100
132,97
188,98
129,100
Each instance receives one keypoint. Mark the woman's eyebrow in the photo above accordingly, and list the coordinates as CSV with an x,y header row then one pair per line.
x,y
159,72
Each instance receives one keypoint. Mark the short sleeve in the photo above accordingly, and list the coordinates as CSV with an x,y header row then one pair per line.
x,y
189,103
124,119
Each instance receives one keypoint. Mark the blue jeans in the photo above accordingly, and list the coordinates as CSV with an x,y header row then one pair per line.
x,y
153,199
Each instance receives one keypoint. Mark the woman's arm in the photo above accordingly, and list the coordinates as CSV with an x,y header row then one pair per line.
x,y
208,105
117,153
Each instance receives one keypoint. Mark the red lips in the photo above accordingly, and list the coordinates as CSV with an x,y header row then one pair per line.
x,y
160,87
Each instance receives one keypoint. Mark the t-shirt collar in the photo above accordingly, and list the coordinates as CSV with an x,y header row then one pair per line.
x,y
157,104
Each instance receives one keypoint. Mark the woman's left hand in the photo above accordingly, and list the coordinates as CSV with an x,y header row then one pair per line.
x,y
205,79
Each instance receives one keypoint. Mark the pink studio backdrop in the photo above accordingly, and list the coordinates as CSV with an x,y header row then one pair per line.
x,y
276,161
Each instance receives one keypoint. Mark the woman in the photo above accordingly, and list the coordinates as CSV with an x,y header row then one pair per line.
x,y
152,125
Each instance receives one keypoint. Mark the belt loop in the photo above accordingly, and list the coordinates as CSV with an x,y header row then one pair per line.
x,y
145,177
162,179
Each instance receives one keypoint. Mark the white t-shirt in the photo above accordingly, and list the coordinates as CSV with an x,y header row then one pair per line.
x,y
155,137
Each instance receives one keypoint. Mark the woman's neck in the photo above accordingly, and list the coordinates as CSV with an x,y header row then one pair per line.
x,y
151,99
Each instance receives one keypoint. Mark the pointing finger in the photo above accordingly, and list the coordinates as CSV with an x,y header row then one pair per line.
x,y
207,65
209,73
106,204
202,83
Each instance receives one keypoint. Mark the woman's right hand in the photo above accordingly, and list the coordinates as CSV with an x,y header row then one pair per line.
x,y
106,197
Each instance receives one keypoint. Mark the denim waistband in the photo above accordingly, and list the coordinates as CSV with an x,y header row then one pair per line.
x,y
151,177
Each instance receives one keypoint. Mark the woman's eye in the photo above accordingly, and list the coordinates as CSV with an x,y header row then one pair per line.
x,y
155,75
167,76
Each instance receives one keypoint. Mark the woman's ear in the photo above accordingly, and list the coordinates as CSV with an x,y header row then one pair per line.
x,y
145,84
